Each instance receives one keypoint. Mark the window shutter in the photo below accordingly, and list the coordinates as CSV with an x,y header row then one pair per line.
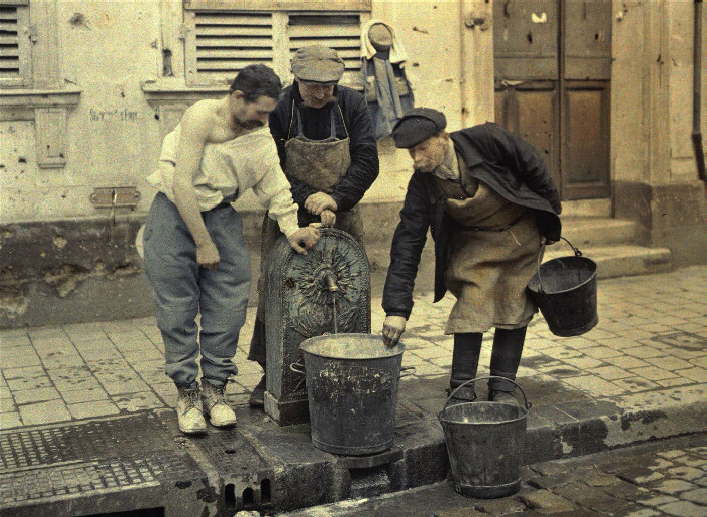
x,y
342,32
14,46
220,44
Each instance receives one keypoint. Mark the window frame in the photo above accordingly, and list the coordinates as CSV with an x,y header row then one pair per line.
x,y
280,12
24,45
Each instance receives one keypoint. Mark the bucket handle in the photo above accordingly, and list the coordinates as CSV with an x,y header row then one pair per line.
x,y
527,404
576,251
295,367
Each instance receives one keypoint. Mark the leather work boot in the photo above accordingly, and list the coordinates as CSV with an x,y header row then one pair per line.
x,y
465,361
257,396
190,411
503,396
464,394
215,405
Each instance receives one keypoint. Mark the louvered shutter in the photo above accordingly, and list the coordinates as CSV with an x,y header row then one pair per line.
x,y
14,45
220,44
342,32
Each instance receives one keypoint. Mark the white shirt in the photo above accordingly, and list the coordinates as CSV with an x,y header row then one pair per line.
x,y
232,167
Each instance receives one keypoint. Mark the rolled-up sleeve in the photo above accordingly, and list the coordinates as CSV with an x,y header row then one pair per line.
x,y
273,189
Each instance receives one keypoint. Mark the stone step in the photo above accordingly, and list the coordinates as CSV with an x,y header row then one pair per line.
x,y
621,260
599,231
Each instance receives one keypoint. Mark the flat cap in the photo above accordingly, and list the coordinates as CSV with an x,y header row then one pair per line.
x,y
317,63
417,126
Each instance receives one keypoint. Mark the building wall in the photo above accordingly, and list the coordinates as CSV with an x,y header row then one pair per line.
x,y
108,49
654,172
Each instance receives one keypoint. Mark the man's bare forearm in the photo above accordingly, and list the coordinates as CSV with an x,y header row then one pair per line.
x,y
188,208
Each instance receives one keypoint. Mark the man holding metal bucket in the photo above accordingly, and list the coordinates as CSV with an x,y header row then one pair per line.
x,y
492,206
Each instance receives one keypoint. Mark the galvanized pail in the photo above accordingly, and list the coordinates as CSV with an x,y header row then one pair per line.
x,y
485,441
352,384
565,290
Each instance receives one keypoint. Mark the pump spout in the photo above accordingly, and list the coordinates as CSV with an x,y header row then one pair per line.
x,y
329,281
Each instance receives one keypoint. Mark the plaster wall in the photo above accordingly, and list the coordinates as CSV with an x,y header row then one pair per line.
x,y
113,138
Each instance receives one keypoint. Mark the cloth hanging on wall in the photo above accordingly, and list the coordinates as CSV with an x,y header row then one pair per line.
x,y
388,90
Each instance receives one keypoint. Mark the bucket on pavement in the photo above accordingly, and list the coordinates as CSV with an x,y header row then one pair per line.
x,y
352,386
565,291
485,442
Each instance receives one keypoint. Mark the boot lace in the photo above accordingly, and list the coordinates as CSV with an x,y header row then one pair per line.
x,y
192,399
215,395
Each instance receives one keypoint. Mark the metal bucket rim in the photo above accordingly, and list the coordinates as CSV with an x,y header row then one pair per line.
x,y
524,414
396,350
582,284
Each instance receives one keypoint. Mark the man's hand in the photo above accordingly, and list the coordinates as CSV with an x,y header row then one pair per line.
x,y
320,201
328,218
303,239
393,328
207,256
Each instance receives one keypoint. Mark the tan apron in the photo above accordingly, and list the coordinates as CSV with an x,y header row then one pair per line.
x,y
493,254
320,164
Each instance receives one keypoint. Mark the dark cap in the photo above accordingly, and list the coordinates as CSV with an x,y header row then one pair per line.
x,y
417,126
317,63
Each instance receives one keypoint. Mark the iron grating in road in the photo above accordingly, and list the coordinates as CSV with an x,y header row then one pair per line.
x,y
85,459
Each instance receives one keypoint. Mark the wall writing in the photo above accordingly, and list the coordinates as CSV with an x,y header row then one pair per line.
x,y
116,115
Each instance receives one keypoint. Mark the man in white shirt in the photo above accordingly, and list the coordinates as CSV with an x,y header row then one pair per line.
x,y
195,253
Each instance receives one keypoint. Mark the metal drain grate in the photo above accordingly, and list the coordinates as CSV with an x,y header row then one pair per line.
x,y
99,456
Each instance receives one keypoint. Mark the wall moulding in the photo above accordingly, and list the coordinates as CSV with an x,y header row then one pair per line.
x,y
48,109
170,99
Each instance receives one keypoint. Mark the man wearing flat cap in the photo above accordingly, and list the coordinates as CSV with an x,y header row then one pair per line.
x,y
492,206
327,150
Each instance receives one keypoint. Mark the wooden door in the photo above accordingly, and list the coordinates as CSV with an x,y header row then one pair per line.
x,y
552,76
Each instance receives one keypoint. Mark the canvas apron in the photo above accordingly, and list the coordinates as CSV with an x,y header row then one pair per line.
x,y
320,164
493,255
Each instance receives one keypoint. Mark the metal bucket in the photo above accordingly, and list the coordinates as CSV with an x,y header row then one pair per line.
x,y
352,384
565,290
485,441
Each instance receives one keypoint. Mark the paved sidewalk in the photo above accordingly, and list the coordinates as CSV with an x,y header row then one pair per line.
x,y
87,410
666,478
651,335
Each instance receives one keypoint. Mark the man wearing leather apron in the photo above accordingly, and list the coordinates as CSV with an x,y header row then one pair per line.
x,y
492,206
325,140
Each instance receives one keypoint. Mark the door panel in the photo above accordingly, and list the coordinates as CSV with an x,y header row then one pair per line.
x,y
587,41
525,39
552,62
586,152
529,110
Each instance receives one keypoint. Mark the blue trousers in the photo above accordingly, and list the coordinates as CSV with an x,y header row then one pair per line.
x,y
182,289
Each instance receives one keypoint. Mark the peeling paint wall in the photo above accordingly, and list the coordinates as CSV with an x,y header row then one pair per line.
x,y
109,48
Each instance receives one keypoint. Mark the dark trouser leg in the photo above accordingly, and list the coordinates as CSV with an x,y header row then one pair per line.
x,y
465,361
505,357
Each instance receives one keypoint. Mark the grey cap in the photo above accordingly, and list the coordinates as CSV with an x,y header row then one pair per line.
x,y
317,63
417,126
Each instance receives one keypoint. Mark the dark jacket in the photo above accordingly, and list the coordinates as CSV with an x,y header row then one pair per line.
x,y
505,163
316,125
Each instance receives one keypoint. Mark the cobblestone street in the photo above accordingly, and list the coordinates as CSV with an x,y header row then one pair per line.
x,y
660,479
651,335
86,410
